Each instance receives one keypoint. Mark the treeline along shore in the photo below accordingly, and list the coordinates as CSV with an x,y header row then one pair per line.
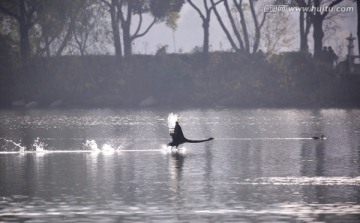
x,y
221,79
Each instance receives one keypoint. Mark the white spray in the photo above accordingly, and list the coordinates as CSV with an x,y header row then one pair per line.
x,y
172,119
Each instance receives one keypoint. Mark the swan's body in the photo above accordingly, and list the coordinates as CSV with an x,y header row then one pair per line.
x,y
178,137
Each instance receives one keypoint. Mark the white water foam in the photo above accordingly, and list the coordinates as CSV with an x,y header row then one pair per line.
x,y
165,149
38,145
17,145
107,148
91,144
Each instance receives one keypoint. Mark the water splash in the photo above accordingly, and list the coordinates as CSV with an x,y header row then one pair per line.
x,y
107,148
17,145
165,149
91,144
172,119
38,145
122,146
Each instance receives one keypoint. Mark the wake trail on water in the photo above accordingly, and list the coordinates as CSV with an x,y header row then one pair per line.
x,y
301,180
89,146
275,138
111,145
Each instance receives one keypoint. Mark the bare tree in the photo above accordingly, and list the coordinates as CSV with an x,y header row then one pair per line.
x,y
241,41
88,27
317,18
305,25
277,32
205,17
123,11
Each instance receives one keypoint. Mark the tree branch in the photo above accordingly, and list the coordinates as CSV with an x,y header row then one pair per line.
x,y
227,33
263,20
243,25
8,12
197,9
69,32
215,4
139,24
146,31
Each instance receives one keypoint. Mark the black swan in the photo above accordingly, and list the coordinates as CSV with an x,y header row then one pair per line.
x,y
178,137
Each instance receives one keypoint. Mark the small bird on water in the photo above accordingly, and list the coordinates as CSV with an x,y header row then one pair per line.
x,y
322,137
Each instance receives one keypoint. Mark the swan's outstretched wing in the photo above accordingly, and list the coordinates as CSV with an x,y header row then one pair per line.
x,y
172,119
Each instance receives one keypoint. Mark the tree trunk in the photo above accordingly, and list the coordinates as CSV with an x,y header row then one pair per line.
x,y
206,37
257,26
125,25
127,40
244,29
318,35
205,17
358,24
47,45
24,33
305,25
303,40
237,34
115,30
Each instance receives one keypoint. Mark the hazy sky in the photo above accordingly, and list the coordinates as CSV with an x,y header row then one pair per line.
x,y
190,34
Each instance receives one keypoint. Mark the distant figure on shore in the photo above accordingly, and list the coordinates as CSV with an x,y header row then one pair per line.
x,y
178,137
328,56
324,54
322,137
260,54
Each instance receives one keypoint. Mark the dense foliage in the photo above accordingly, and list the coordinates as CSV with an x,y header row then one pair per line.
x,y
291,79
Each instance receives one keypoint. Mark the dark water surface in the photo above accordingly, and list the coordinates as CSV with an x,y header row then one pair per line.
x,y
262,166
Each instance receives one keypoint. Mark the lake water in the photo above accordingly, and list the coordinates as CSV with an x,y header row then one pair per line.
x,y
112,166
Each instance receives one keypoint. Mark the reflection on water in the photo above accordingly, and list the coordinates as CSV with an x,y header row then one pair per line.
x,y
113,165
